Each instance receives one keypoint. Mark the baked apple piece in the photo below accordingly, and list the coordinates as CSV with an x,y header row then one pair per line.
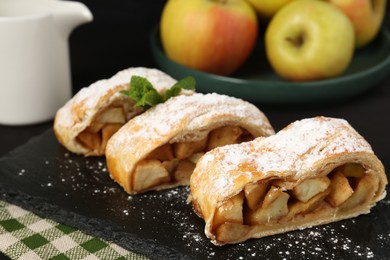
x,y
143,178
229,216
273,207
103,126
254,194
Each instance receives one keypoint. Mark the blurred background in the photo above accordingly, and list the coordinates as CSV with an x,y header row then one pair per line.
x,y
117,38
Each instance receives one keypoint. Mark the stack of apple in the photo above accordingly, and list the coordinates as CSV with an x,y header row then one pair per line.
x,y
304,39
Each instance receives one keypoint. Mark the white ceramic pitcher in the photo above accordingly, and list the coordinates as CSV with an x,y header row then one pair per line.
x,y
35,73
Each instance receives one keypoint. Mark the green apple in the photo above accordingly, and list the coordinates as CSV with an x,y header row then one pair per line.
x,y
366,16
309,40
267,8
215,36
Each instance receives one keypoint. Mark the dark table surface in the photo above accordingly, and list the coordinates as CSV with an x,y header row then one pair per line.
x,y
118,38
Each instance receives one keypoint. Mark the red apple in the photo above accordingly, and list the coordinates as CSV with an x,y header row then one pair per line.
x,y
215,36
366,17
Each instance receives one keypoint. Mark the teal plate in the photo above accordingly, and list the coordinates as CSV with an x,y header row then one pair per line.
x,y
256,82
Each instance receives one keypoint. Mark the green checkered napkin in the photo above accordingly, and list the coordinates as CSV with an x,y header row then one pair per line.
x,y
24,235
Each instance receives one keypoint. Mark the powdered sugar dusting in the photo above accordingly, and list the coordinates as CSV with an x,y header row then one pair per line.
x,y
90,96
191,113
293,151
78,113
181,118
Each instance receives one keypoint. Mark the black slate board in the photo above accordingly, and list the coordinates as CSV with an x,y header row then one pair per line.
x,y
43,177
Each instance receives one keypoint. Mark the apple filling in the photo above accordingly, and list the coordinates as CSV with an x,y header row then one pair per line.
x,y
276,202
174,162
105,123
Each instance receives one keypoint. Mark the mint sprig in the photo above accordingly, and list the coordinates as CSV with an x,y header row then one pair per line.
x,y
146,96
187,83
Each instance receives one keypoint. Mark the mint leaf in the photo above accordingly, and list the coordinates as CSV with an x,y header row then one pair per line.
x,y
152,98
142,92
138,87
187,83
146,96
172,92
125,92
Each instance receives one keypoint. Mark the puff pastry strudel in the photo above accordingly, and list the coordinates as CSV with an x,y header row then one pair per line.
x,y
159,148
86,122
314,171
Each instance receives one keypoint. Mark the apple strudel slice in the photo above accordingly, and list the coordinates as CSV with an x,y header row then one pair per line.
x,y
159,148
86,122
314,171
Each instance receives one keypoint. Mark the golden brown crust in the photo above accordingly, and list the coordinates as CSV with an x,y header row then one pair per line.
x,y
180,119
304,150
79,112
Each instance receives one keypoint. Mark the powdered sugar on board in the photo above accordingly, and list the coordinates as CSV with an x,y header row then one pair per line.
x,y
81,185
329,242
